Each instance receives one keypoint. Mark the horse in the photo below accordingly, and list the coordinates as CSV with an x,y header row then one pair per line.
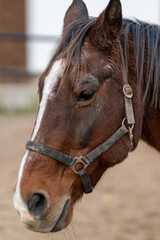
x,y
99,95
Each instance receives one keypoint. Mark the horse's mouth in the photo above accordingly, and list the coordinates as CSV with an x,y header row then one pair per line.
x,y
60,222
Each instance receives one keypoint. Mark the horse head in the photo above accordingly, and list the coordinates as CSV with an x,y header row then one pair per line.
x,y
81,105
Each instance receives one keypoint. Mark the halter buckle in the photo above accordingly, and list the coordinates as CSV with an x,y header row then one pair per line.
x,y
84,161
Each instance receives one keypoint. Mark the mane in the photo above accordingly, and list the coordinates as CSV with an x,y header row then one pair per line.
x,y
146,41
70,47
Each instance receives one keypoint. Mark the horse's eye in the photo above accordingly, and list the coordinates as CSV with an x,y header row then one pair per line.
x,y
86,95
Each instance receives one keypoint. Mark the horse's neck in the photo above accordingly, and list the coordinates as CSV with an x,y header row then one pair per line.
x,y
144,70
151,119
151,99
151,127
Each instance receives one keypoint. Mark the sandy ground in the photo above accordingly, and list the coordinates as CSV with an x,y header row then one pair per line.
x,y
124,206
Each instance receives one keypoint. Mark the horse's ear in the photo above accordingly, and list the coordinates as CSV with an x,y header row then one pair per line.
x,y
107,26
77,10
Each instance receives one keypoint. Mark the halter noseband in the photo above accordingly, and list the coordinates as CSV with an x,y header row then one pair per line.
x,y
98,151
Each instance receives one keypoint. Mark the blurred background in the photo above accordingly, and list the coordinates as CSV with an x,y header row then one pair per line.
x,y
29,33
125,205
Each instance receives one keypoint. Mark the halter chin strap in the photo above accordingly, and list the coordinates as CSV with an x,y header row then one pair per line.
x,y
98,151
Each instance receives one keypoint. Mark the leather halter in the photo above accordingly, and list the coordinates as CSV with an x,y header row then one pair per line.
x,y
98,151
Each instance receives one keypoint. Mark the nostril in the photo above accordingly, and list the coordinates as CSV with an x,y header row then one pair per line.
x,y
37,204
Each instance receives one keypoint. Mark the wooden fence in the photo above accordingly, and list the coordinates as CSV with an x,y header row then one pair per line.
x,y
13,40
12,19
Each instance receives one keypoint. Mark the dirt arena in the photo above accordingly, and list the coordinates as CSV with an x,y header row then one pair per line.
x,y
124,206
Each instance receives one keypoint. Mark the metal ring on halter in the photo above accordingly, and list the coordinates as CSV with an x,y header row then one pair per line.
x,y
81,160
130,131
127,90
123,123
